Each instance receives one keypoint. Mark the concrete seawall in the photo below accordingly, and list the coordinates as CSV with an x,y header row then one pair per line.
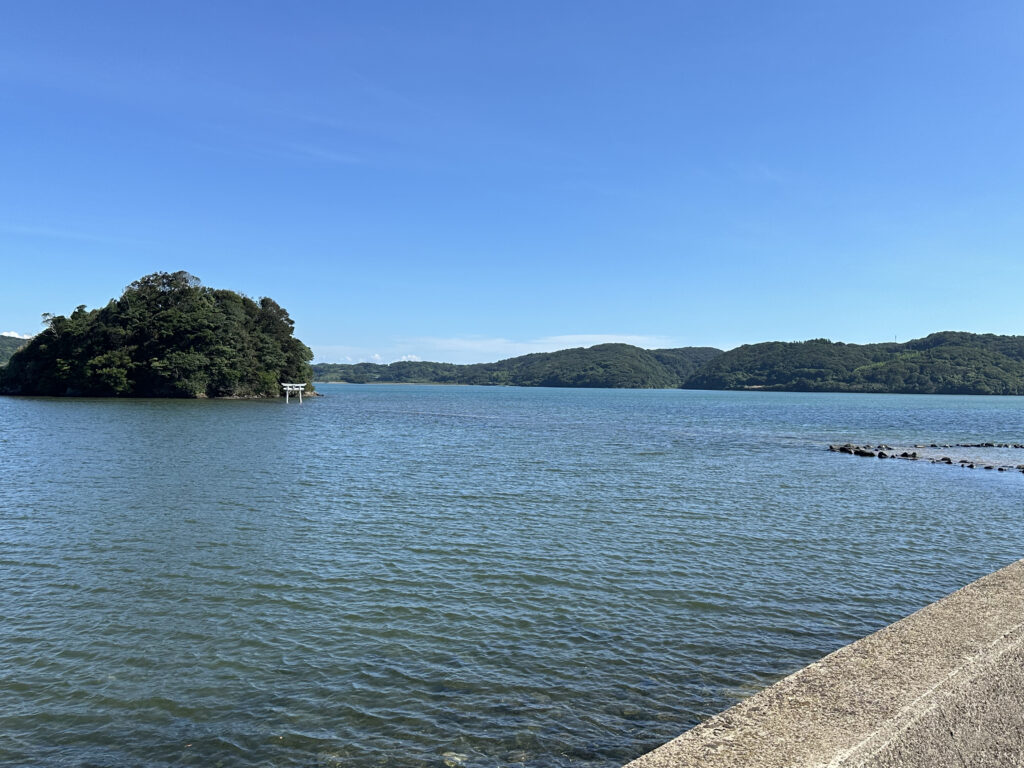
x,y
942,687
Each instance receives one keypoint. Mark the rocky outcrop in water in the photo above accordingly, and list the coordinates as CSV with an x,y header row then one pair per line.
x,y
883,451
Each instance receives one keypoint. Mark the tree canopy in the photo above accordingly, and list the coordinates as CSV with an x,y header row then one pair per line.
x,y
949,362
166,336
169,336
604,365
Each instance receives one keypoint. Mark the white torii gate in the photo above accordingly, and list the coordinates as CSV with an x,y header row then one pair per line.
x,y
290,388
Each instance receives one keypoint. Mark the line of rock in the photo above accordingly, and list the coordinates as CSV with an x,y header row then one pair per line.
x,y
973,445
888,452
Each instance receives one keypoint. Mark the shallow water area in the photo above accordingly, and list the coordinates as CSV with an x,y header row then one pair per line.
x,y
430,576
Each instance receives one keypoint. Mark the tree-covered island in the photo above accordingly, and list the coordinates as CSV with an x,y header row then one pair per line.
x,y
166,336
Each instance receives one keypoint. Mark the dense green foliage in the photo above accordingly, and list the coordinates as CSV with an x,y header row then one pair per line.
x,y
942,363
8,346
684,362
169,337
604,365
166,336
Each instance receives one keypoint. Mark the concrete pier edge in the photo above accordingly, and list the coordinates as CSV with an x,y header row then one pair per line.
x,y
941,687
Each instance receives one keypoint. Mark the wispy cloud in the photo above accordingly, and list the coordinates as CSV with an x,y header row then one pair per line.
x,y
320,154
479,349
596,189
337,353
16,335
762,173
67,234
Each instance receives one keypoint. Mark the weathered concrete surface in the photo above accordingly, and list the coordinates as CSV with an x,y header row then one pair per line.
x,y
942,687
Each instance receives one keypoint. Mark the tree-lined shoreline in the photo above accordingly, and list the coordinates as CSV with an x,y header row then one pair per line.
x,y
169,336
948,362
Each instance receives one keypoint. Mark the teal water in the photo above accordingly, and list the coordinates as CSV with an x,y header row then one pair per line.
x,y
431,576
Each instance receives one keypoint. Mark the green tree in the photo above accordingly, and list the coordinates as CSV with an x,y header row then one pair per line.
x,y
166,336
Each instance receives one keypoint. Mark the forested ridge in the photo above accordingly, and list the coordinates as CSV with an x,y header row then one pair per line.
x,y
604,365
949,362
169,336
166,336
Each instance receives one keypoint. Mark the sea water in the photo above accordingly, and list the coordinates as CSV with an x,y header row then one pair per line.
x,y
443,576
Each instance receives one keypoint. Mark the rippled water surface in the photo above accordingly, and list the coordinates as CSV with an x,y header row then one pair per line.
x,y
431,576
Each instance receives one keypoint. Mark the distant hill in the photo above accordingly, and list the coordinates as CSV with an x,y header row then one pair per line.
x,y
167,336
8,345
949,362
605,365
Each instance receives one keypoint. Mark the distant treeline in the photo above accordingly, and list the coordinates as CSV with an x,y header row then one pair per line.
x,y
949,362
605,365
167,336
942,363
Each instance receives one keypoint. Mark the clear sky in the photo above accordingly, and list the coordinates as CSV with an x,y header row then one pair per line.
x,y
466,181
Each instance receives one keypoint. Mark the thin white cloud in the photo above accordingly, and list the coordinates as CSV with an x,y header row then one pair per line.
x,y
478,349
338,353
319,154
16,335
66,234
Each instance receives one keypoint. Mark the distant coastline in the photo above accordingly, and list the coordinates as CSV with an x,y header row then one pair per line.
x,y
949,362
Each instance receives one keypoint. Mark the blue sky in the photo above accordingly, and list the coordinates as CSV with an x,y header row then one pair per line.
x,y
467,181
